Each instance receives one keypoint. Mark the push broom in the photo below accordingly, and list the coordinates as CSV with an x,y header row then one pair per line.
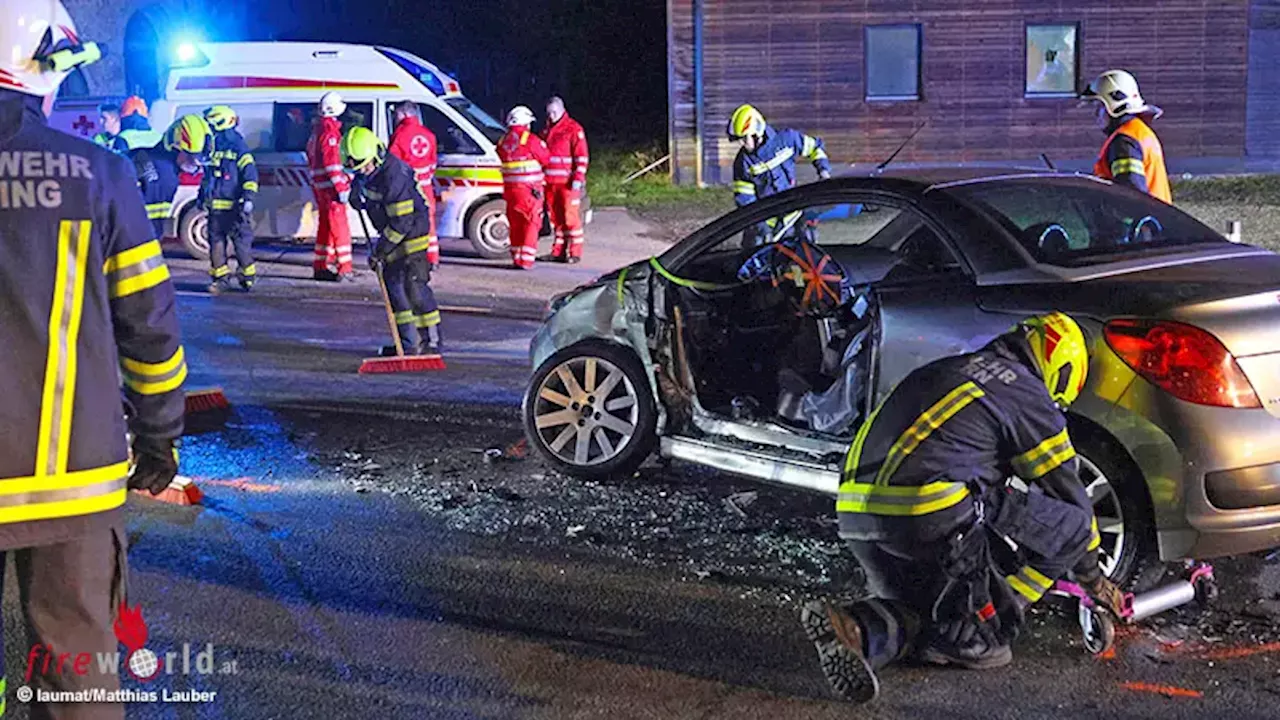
x,y
401,362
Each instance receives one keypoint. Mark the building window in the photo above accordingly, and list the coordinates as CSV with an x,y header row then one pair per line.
x,y
893,62
1051,60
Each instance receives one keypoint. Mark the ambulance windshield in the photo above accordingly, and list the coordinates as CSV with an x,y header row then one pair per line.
x,y
482,120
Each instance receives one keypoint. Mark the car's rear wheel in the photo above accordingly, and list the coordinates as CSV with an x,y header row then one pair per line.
x,y
590,412
193,232
1128,554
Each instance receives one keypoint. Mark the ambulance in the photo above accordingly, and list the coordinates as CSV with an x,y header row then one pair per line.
x,y
274,88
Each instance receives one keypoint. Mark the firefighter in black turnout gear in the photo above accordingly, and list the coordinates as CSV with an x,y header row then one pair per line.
x,y
387,190
157,169
228,191
86,303
925,506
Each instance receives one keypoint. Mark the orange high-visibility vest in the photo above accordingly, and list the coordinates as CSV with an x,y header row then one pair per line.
x,y
1152,158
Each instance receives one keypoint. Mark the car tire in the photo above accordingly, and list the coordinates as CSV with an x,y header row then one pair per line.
x,y
488,231
618,429
193,232
1129,557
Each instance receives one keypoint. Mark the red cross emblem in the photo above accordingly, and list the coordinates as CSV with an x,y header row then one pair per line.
x,y
84,125
419,146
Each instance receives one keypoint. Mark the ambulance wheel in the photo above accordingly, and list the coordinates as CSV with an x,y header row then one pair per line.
x,y
1103,636
193,232
488,231
589,411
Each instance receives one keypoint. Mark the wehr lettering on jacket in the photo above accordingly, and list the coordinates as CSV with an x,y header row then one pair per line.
x,y
30,178
984,369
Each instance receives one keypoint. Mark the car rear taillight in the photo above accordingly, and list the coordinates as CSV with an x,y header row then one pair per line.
x,y
1183,360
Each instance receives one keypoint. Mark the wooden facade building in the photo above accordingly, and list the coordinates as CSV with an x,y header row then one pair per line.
x,y
993,81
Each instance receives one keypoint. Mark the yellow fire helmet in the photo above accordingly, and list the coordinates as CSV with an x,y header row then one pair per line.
x,y
192,135
1059,349
360,147
221,117
745,121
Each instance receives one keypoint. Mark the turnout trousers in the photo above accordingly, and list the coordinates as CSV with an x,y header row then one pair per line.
x,y
412,300
230,228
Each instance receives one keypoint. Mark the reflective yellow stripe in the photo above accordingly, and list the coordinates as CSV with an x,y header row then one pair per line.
x,y
158,210
414,245
1044,457
522,165
155,378
249,270
1095,538
392,235
245,159
622,278
250,186
490,174
929,420
430,319
400,209
855,450
138,283
133,256
899,500
58,398
780,157
136,269
223,204
744,188
404,317
220,272
1127,165
1030,583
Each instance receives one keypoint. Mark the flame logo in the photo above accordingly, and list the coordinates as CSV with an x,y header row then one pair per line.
x,y
130,628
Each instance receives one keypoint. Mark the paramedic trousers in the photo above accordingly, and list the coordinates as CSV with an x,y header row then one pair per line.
x,y
230,227
565,205
70,594
907,578
412,300
524,216
333,236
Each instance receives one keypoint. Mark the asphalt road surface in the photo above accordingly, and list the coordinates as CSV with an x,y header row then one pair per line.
x,y
357,556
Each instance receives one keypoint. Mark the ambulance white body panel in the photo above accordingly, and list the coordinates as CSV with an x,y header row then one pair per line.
x,y
274,87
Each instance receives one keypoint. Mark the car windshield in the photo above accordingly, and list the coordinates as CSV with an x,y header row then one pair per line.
x,y
482,120
1082,223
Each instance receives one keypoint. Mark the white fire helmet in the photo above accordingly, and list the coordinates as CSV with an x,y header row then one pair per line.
x,y
331,104
39,45
1117,90
520,116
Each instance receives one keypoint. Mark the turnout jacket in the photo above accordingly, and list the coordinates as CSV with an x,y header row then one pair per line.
x,y
772,167
157,171
1132,155
85,305
233,176
950,431
398,211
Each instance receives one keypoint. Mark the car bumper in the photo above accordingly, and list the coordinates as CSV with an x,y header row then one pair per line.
x,y
1213,473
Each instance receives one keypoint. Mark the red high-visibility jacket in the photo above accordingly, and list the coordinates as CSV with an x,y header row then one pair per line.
x,y
567,145
324,155
523,156
416,145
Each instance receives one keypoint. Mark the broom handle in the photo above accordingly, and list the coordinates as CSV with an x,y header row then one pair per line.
x,y
382,285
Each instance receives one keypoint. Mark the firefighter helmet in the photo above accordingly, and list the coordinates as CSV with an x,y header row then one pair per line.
x,y
745,121
190,134
1060,352
39,45
331,105
221,117
520,116
1117,90
133,105
361,147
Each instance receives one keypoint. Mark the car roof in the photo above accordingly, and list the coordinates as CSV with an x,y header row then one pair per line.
x,y
929,176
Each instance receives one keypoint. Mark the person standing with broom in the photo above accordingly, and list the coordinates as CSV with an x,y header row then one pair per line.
x,y
388,193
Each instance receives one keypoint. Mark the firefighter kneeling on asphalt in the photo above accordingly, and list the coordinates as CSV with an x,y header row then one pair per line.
x,y
388,192
925,506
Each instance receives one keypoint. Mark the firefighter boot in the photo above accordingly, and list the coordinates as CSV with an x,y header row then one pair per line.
x,y
219,286
433,341
964,643
246,282
838,638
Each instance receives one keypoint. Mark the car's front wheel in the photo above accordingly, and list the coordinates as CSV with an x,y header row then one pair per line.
x,y
590,411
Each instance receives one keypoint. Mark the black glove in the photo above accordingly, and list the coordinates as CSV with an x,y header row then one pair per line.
x,y
358,201
155,463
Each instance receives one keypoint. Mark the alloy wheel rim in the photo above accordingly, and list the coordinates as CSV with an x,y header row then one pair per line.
x,y
494,231
586,411
1108,511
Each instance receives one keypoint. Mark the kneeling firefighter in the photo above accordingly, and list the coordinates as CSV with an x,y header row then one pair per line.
x,y
387,190
925,506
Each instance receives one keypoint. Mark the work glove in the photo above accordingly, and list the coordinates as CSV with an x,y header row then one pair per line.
x,y
344,196
246,208
358,201
576,186
824,174
155,463
1106,594
376,261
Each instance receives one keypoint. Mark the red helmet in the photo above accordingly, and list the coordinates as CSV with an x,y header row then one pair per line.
x,y
133,105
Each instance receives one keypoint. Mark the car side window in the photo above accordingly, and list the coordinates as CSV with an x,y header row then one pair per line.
x,y
450,139
292,123
257,123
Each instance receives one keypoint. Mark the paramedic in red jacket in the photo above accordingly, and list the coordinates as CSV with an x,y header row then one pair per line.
x,y
566,178
332,189
523,156
416,146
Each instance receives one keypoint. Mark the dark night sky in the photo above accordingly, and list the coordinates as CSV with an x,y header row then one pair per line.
x,y
606,57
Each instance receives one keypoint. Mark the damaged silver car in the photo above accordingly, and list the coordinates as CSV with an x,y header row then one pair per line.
x,y
759,344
